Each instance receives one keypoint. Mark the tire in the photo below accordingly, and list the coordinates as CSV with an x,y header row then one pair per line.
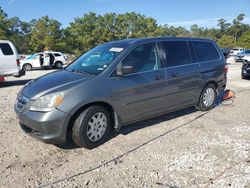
x,y
86,135
244,68
58,65
27,67
207,103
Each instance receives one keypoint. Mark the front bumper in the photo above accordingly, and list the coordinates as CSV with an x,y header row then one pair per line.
x,y
48,127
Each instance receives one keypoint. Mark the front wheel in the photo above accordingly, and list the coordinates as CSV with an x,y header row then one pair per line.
x,y
208,98
91,127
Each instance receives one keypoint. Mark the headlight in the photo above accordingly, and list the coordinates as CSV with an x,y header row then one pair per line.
x,y
48,102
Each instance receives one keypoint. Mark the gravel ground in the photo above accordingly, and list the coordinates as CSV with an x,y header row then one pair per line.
x,y
187,148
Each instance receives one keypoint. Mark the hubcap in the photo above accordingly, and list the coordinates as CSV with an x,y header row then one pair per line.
x,y
59,65
97,126
28,67
208,97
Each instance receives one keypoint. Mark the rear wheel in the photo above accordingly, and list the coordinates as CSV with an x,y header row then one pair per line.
x,y
208,98
58,65
27,67
91,127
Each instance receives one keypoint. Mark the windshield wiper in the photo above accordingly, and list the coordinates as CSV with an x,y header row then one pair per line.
x,y
77,71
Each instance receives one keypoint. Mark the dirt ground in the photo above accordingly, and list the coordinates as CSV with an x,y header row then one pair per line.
x,y
187,148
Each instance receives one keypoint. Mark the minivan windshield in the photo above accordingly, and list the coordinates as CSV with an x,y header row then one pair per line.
x,y
96,60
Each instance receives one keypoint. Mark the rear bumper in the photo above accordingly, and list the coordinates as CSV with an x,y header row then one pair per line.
x,y
222,85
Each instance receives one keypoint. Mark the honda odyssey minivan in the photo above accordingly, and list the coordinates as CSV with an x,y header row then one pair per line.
x,y
118,83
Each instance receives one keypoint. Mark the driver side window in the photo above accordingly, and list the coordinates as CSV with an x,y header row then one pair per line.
x,y
143,58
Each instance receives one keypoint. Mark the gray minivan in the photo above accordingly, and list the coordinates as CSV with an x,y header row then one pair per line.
x,y
118,83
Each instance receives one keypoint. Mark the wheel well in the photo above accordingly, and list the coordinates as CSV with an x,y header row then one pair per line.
x,y
103,104
210,82
58,62
27,64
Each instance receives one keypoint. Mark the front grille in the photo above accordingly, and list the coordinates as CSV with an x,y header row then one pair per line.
x,y
21,101
29,130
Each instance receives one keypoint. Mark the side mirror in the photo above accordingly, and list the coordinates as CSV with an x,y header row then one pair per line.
x,y
123,70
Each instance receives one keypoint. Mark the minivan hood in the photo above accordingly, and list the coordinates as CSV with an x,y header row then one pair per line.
x,y
52,81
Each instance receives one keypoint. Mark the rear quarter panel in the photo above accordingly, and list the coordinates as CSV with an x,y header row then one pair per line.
x,y
213,71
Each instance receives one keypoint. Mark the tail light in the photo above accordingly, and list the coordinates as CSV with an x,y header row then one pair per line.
x,y
226,69
18,62
2,79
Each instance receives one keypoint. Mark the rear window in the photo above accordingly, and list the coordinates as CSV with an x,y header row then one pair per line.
x,y
206,51
6,49
57,55
177,53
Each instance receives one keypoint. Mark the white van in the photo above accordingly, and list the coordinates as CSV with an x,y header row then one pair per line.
x,y
9,60
43,60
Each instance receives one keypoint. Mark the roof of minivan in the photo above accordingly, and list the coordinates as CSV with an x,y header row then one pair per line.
x,y
151,39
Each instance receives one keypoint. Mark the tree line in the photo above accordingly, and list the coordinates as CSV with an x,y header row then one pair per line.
x,y
91,29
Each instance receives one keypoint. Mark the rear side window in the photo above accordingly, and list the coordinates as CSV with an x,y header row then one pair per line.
x,y
57,55
206,51
177,53
6,49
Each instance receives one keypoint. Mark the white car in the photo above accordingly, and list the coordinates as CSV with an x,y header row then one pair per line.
x,y
9,60
235,51
246,58
42,60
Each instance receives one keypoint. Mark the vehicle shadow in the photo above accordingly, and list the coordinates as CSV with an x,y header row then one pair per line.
x,y
14,83
154,121
125,130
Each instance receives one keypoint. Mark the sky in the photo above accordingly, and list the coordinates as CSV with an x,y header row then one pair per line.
x,y
184,13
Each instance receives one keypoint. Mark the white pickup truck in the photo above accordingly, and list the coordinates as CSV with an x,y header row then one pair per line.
x,y
9,60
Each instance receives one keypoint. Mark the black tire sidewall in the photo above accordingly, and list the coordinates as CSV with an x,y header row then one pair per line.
x,y
201,103
58,65
80,137
243,67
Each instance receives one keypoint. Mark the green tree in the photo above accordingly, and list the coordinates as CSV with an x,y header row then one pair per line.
x,y
226,41
3,24
223,25
236,27
244,40
47,34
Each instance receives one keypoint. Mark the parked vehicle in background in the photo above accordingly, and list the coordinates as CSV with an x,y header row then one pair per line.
x,y
242,56
225,52
9,60
118,83
235,51
48,59
245,70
